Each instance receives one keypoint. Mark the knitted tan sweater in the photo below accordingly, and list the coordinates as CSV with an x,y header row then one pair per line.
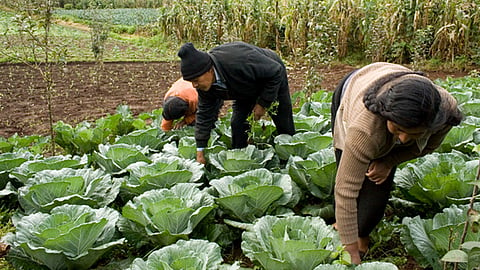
x,y
363,137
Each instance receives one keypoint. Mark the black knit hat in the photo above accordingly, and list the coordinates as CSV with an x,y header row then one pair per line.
x,y
194,62
174,108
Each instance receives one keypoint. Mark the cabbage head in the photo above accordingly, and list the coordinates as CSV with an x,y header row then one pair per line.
x,y
236,161
438,179
29,168
300,144
315,174
70,237
116,157
165,172
250,195
292,242
191,254
50,188
163,216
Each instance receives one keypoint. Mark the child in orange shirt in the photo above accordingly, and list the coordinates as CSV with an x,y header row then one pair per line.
x,y
180,101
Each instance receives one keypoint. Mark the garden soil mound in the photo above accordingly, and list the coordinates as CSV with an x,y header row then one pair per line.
x,y
86,91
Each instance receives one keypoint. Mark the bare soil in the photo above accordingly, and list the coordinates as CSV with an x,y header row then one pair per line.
x,y
85,92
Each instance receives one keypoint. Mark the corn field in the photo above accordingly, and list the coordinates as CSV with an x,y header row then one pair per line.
x,y
387,30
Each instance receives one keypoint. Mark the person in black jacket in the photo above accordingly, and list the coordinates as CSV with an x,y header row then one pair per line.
x,y
251,76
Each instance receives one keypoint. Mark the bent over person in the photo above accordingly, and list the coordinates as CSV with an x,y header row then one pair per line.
x,y
251,76
382,115
181,100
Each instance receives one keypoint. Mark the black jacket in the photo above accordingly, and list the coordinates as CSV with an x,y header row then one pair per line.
x,y
248,72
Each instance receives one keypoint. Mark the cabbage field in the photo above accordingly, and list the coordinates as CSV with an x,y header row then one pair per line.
x,y
125,194
113,191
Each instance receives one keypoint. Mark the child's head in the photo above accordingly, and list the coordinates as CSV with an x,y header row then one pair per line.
x,y
174,108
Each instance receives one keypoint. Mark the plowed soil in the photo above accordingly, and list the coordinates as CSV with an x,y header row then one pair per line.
x,y
85,92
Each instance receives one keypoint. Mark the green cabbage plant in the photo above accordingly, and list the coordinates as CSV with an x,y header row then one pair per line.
x,y
192,254
438,180
164,172
8,162
428,240
300,144
319,124
316,173
70,237
291,242
29,168
236,161
163,216
115,158
151,138
51,188
250,195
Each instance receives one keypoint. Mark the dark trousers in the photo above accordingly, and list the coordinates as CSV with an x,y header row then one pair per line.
x,y
283,119
372,198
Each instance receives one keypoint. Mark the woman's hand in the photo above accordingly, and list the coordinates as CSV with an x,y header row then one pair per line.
x,y
378,171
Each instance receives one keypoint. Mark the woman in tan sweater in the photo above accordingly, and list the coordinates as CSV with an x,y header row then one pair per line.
x,y
382,115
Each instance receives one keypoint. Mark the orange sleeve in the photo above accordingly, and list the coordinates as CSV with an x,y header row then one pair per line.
x,y
167,125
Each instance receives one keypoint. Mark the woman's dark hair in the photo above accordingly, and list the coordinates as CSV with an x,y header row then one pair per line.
x,y
411,102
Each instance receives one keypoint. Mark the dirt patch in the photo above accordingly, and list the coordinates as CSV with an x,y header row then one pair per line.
x,y
85,93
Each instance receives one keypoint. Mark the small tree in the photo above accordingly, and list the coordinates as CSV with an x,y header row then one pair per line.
x,y
29,40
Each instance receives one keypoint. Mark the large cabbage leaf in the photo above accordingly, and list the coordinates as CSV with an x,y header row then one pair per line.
x,y
70,237
8,162
163,216
116,157
315,174
236,161
438,180
151,138
164,172
300,144
319,124
462,138
29,168
250,195
51,188
291,242
427,240
191,254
